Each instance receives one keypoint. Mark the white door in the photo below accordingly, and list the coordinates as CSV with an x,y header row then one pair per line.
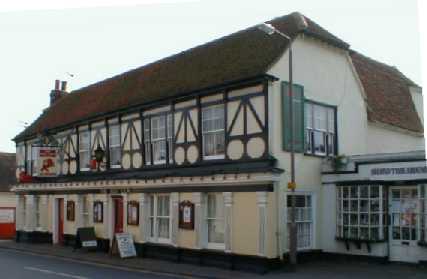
x,y
404,205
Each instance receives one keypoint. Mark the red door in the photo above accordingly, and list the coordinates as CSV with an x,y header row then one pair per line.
x,y
7,223
60,221
118,215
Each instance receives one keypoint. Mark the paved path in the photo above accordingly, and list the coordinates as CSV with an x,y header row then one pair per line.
x,y
18,265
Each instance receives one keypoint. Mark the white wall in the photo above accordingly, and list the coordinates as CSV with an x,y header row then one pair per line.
x,y
389,140
327,77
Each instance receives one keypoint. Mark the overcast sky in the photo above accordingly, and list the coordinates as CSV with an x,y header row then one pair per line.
x,y
96,39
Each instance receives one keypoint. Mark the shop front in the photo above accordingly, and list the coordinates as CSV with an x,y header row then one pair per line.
x,y
381,208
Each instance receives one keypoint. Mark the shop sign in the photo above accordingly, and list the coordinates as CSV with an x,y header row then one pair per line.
x,y
186,215
47,161
125,245
87,237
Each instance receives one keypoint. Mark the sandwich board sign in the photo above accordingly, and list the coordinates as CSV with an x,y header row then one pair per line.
x,y
86,237
125,245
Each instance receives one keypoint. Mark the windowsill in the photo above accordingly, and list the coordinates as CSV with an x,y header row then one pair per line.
x,y
360,240
85,169
116,167
216,246
161,241
214,157
318,155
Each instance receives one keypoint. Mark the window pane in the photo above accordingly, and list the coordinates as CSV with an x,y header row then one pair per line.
x,y
213,130
215,231
114,141
319,142
163,227
308,115
320,116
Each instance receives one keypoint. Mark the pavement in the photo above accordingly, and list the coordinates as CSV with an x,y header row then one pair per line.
x,y
23,260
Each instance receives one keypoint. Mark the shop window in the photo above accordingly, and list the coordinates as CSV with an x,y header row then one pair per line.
x,y
303,219
213,132
160,219
361,212
158,138
406,213
215,221
98,212
133,213
320,132
114,148
84,150
71,211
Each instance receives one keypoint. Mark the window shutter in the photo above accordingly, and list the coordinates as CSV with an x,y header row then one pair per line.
x,y
298,112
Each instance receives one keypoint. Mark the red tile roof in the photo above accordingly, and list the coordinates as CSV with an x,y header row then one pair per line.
x,y
244,54
388,96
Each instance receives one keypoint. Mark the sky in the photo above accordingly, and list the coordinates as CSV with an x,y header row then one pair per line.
x,y
46,40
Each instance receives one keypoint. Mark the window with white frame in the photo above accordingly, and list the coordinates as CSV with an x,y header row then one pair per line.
x,y
20,155
361,212
84,150
303,219
213,132
320,132
114,148
160,219
157,138
215,221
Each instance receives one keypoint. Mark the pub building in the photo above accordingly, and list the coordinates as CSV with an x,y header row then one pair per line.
x,y
190,154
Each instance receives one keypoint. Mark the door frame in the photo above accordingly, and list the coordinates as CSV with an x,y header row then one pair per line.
x,y
116,199
55,216
412,244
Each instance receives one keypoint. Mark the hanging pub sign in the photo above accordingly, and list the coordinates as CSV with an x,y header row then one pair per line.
x,y
186,215
47,161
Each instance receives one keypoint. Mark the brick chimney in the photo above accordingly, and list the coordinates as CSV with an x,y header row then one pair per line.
x,y
58,92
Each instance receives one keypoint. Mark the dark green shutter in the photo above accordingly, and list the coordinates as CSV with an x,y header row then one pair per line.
x,y
298,112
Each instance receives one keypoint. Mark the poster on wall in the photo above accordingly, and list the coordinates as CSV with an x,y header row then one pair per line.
x,y
46,164
186,215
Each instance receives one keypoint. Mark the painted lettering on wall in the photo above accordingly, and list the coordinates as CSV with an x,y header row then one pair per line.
x,y
399,171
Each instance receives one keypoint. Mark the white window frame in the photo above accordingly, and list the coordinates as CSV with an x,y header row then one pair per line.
x,y
154,219
150,140
345,212
214,245
111,128
311,127
210,132
312,222
82,150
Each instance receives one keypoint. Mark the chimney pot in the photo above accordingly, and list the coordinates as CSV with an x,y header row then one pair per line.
x,y
64,85
57,84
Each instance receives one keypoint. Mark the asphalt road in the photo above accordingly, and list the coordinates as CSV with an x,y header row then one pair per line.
x,y
18,265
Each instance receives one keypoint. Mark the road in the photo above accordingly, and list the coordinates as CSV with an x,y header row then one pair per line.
x,y
18,265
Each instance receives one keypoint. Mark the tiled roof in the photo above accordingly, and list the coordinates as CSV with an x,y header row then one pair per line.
x,y
242,55
388,96
245,54
7,171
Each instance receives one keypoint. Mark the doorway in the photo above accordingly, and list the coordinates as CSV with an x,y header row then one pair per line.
x,y
60,211
118,214
405,221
